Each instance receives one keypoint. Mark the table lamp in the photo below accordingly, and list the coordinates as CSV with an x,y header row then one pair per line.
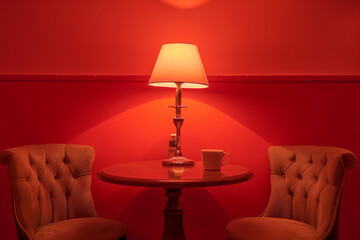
x,y
178,66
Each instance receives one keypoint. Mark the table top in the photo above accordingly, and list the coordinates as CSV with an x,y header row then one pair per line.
x,y
154,174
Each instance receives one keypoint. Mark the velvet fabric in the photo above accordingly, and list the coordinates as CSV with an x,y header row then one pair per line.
x,y
306,187
261,228
94,228
51,193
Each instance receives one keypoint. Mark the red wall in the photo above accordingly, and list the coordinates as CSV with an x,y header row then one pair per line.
x,y
234,37
129,121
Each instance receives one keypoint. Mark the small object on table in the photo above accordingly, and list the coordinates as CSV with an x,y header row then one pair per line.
x,y
172,146
213,159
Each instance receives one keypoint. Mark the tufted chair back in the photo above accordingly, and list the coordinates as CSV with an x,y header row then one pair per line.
x,y
49,183
306,184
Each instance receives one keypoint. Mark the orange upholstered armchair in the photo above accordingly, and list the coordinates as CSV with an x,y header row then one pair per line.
x,y
306,186
50,186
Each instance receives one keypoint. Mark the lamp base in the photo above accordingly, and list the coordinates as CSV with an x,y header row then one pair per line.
x,y
178,161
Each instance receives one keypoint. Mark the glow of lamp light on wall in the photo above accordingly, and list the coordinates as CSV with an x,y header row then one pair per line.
x,y
185,4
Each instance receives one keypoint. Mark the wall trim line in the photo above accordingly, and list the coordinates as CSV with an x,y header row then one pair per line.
x,y
211,78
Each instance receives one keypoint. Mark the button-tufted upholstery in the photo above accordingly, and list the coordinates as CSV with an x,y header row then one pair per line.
x,y
306,186
50,184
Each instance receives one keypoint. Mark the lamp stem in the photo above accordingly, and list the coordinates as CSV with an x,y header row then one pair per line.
x,y
178,94
178,119
178,159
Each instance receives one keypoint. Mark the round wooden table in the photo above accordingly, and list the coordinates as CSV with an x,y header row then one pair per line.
x,y
173,179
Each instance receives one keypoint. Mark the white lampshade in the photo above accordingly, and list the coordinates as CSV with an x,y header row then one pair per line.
x,y
179,63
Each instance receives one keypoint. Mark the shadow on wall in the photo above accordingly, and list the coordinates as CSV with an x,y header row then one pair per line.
x,y
204,218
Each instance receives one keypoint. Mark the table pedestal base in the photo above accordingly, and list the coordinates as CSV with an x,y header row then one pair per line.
x,y
173,213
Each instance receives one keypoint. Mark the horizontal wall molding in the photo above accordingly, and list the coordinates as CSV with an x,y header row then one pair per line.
x,y
212,78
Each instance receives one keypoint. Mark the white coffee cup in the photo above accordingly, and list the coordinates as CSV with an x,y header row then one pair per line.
x,y
213,159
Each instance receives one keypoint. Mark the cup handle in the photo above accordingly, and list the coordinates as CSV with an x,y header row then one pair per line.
x,y
225,153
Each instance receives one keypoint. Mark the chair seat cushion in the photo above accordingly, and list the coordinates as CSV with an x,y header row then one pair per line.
x,y
81,229
258,228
